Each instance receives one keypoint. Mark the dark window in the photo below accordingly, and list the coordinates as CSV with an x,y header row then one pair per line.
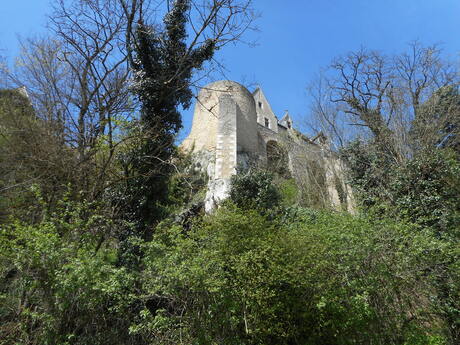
x,y
289,124
267,122
260,105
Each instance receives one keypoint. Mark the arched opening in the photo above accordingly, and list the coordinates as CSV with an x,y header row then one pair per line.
x,y
277,159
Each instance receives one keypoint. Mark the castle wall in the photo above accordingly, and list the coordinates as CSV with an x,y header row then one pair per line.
x,y
229,126
264,111
226,138
246,124
203,134
265,135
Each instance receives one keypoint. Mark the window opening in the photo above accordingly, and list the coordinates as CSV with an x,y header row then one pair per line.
x,y
267,122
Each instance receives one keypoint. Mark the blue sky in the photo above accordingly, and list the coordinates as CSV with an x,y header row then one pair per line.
x,y
296,39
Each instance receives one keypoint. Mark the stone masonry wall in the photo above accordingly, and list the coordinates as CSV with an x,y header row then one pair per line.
x,y
228,124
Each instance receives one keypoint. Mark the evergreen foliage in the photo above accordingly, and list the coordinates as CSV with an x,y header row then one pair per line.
x,y
423,191
163,65
163,68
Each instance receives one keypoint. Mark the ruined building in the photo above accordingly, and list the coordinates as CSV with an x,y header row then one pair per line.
x,y
233,128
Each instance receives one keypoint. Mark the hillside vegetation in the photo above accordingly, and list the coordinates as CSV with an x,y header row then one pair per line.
x,y
103,237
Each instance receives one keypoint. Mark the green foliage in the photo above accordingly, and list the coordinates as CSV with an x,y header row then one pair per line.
x,y
426,191
58,281
254,189
309,278
423,191
289,191
162,64
18,130
368,172
32,155
186,185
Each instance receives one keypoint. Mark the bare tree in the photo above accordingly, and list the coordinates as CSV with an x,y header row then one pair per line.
x,y
425,77
369,94
79,77
92,46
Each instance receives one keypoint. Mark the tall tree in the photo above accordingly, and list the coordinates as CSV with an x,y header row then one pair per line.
x,y
163,64
78,77
381,97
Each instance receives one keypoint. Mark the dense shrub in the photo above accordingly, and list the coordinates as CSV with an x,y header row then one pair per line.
x,y
30,153
309,278
426,191
254,189
368,172
59,283
289,191
423,190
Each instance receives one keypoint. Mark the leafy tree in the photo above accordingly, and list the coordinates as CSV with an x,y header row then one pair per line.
x,y
162,64
368,172
162,68
425,191
59,283
164,60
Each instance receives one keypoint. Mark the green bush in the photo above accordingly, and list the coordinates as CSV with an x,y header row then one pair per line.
x,y
423,190
426,191
308,278
368,172
59,283
254,189
289,192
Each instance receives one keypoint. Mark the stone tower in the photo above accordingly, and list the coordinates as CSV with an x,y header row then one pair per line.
x,y
224,126
232,127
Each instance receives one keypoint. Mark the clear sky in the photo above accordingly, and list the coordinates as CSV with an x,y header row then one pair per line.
x,y
296,39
